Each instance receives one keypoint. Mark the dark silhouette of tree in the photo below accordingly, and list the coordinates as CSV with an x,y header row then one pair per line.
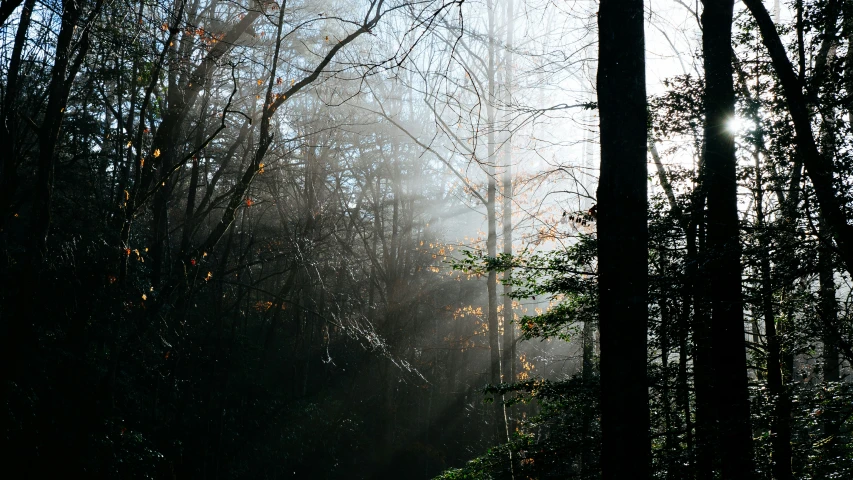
x,y
622,241
818,164
722,260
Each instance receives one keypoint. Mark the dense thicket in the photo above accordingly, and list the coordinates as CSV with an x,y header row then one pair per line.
x,y
202,257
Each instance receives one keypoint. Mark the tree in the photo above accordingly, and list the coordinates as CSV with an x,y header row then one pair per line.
x,y
729,387
818,164
622,241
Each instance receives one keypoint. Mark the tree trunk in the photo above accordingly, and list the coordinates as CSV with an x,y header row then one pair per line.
x,y
703,361
829,316
780,430
508,360
588,375
730,387
848,60
623,241
491,241
58,91
671,462
688,225
9,117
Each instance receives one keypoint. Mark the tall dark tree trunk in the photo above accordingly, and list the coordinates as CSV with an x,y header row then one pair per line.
x,y
623,241
9,117
16,333
730,388
829,317
703,361
848,59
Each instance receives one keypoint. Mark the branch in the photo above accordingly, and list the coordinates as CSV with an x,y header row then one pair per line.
x,y
667,187
818,167
431,150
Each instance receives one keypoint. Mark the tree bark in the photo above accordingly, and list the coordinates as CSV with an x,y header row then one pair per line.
x,y
829,315
623,241
730,387
828,312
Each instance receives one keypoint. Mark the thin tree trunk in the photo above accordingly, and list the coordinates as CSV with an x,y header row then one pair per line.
x,y
499,426
671,453
508,360
682,388
588,375
190,210
688,226
780,432
829,316
58,91
703,361
848,59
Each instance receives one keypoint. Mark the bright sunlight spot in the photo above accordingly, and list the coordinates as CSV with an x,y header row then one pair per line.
x,y
740,125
